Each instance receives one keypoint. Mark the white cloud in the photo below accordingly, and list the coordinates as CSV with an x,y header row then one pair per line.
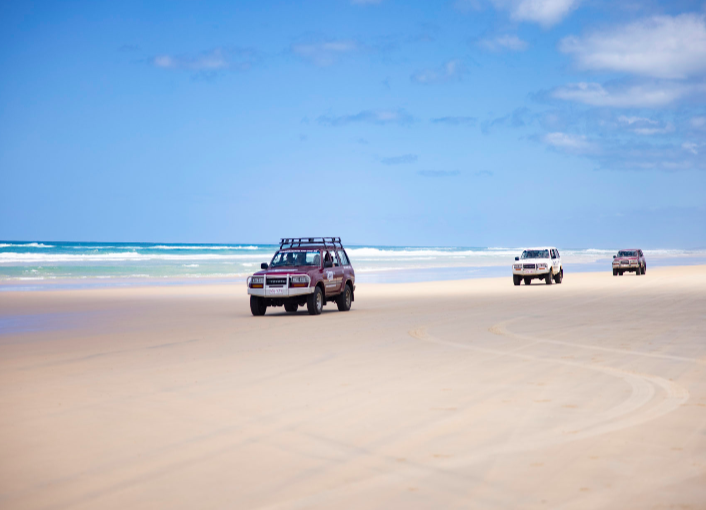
x,y
690,147
617,154
214,60
633,96
659,47
566,141
400,117
450,71
544,12
624,119
504,42
645,126
698,122
326,53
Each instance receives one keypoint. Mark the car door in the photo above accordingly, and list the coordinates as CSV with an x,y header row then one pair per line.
x,y
347,268
555,261
338,270
332,275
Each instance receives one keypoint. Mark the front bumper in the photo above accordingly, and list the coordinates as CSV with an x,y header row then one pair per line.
x,y
631,265
530,272
280,292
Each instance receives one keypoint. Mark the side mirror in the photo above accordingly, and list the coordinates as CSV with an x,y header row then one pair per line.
x,y
263,265
328,263
517,258
613,256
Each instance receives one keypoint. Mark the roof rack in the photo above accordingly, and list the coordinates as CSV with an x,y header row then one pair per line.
x,y
299,242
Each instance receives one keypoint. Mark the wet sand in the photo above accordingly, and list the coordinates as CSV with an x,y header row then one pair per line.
x,y
455,394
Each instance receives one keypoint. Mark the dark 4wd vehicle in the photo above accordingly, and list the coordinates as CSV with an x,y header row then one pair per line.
x,y
309,271
629,260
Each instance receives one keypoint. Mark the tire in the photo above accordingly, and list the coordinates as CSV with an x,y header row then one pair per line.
x,y
638,271
516,279
527,280
549,279
559,276
344,299
257,306
644,269
315,302
615,272
291,307
620,273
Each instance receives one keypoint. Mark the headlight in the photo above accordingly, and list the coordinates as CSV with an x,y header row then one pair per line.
x,y
256,282
517,266
541,266
300,281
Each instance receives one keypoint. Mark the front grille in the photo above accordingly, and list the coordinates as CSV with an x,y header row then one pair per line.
x,y
529,266
624,261
276,281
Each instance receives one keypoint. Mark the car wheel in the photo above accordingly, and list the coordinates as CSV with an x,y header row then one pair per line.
x,y
615,272
559,276
549,279
291,307
620,273
638,271
516,279
644,269
315,302
527,280
344,299
257,306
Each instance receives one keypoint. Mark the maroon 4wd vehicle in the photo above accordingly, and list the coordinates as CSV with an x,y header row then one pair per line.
x,y
629,260
309,271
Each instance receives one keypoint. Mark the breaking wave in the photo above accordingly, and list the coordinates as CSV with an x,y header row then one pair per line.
x,y
9,257
204,247
25,245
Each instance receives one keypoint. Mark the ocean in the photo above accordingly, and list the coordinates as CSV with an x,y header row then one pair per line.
x,y
25,263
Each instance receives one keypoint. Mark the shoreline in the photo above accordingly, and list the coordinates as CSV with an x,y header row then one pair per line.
x,y
386,276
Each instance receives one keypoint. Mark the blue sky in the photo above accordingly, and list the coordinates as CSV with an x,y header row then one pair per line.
x,y
466,123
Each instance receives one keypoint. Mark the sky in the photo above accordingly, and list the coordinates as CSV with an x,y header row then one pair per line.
x,y
572,123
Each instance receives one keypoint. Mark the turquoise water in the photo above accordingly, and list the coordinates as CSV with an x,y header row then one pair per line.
x,y
49,261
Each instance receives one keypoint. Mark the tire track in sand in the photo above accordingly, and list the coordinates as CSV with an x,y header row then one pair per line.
x,y
500,329
641,406
636,409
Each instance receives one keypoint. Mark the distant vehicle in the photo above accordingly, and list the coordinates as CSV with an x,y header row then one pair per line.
x,y
309,271
538,263
632,260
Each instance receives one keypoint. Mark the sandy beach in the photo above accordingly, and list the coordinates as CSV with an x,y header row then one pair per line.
x,y
456,394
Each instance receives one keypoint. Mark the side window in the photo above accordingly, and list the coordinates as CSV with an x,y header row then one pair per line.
x,y
344,259
553,253
332,257
557,254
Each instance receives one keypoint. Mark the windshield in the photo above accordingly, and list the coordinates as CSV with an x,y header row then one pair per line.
x,y
535,254
296,258
627,253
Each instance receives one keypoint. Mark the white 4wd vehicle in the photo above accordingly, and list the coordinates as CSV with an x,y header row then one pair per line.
x,y
542,263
